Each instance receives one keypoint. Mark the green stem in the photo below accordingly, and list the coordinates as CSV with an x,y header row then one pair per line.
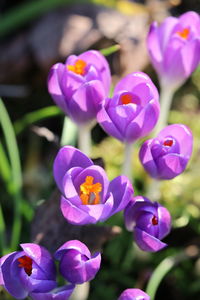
x,y
5,171
2,232
166,97
69,133
36,116
110,50
162,269
127,166
84,138
16,172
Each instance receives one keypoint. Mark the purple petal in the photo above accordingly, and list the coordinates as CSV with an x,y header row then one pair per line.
x,y
133,294
62,293
129,82
147,242
96,59
72,245
122,191
164,222
86,101
69,83
54,79
107,124
74,214
70,191
171,165
11,277
147,160
67,158
143,128
42,258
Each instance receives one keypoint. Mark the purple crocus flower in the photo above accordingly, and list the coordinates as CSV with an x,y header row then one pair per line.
x,y
149,221
87,194
167,155
79,86
133,294
61,293
133,110
77,265
31,270
174,48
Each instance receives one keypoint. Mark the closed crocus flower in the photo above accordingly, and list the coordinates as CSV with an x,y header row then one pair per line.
x,y
87,194
133,110
133,294
61,293
27,271
149,221
79,86
167,155
174,48
77,265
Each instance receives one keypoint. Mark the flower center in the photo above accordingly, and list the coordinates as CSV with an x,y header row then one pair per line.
x,y
90,192
184,33
26,263
127,98
168,142
78,67
154,220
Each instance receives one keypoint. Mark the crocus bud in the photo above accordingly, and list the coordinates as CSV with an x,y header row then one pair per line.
x,y
77,265
80,85
133,294
133,110
167,155
149,221
87,194
174,48
31,270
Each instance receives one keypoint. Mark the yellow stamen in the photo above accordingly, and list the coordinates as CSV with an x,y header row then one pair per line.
x,y
78,67
184,33
90,192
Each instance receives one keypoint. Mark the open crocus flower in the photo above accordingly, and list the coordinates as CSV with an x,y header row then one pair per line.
x,y
133,111
167,155
133,294
87,194
79,86
77,265
61,293
27,271
149,221
174,48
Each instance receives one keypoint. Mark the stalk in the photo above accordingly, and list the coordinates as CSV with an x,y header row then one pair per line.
x,y
166,97
84,138
127,166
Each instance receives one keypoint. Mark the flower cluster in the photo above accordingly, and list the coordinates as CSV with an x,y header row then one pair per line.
x,y
81,87
31,272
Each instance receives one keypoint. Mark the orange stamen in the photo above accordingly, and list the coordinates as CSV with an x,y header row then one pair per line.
x,y
168,143
129,98
78,67
26,263
184,33
90,192
154,220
